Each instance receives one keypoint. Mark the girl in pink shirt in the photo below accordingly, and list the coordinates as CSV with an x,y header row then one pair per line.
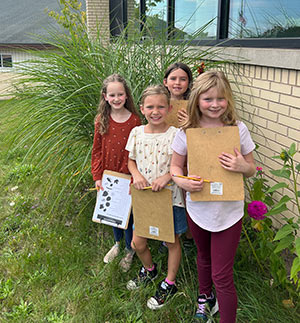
x,y
215,225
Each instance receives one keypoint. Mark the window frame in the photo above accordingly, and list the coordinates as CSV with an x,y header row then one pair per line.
x,y
222,30
1,61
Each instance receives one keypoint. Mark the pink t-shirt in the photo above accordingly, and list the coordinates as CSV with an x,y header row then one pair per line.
x,y
220,215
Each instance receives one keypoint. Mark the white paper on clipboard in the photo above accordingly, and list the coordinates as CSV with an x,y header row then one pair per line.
x,y
113,204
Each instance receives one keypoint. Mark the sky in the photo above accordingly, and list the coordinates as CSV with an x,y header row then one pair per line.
x,y
258,15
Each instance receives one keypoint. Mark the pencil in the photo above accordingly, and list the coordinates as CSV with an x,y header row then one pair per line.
x,y
148,187
193,178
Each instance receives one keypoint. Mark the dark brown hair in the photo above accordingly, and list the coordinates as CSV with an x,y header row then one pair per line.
x,y
184,67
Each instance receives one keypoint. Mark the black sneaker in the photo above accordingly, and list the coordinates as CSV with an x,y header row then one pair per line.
x,y
162,295
207,306
144,277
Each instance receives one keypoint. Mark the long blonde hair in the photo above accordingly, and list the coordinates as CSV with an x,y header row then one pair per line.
x,y
203,83
104,108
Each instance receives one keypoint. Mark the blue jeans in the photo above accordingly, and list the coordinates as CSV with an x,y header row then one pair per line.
x,y
118,233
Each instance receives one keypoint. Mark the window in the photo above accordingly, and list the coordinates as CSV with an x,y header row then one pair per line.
x,y
5,60
190,16
264,19
249,23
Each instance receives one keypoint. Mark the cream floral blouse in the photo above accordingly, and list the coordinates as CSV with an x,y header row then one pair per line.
x,y
152,153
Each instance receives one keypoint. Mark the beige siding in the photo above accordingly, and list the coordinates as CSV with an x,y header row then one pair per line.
x,y
272,113
98,18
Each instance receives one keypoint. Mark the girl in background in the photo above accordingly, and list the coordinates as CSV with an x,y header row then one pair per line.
x,y
178,79
215,225
115,118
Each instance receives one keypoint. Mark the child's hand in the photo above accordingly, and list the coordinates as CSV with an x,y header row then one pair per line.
x,y
238,163
139,181
182,116
98,185
190,185
159,183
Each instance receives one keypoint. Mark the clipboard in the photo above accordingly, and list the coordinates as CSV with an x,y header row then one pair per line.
x,y
113,204
153,214
177,105
204,145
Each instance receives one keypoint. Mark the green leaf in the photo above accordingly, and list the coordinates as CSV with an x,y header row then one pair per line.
x,y
298,193
283,200
276,187
281,173
277,210
284,243
283,232
292,151
280,206
297,245
298,167
295,268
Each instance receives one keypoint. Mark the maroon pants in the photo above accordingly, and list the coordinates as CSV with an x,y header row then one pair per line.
x,y
215,258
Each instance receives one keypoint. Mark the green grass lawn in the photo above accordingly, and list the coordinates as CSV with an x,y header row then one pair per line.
x,y
52,266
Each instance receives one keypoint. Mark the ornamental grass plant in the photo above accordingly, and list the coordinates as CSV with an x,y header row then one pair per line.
x,y
57,92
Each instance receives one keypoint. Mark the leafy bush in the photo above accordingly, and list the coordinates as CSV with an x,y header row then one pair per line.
x,y
267,243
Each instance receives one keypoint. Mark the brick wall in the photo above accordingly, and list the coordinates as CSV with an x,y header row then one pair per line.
x,y
270,106
98,18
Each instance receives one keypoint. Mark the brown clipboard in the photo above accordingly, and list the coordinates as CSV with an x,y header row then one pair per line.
x,y
177,105
204,145
153,214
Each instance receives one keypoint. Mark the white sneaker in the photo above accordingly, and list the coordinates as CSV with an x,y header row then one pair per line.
x,y
112,254
126,261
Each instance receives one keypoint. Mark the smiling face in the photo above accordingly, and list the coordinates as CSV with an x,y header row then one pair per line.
x,y
115,95
177,83
212,105
155,109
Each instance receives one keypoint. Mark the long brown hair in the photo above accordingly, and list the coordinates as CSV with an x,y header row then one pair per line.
x,y
104,108
202,84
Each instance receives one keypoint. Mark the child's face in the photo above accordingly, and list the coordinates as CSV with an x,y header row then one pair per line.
x,y
155,109
177,83
115,95
212,104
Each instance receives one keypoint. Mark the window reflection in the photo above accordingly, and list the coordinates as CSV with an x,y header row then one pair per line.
x,y
156,12
264,18
192,15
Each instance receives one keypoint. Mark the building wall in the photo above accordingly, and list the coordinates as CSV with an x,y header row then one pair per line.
x,y
271,109
97,12
8,75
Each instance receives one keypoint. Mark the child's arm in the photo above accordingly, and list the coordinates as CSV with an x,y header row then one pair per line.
x,y
177,167
160,182
139,180
239,163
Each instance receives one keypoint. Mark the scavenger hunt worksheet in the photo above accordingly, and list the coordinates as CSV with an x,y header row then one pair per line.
x,y
113,203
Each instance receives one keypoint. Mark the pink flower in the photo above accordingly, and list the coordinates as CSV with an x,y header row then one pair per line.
x,y
257,209
259,171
